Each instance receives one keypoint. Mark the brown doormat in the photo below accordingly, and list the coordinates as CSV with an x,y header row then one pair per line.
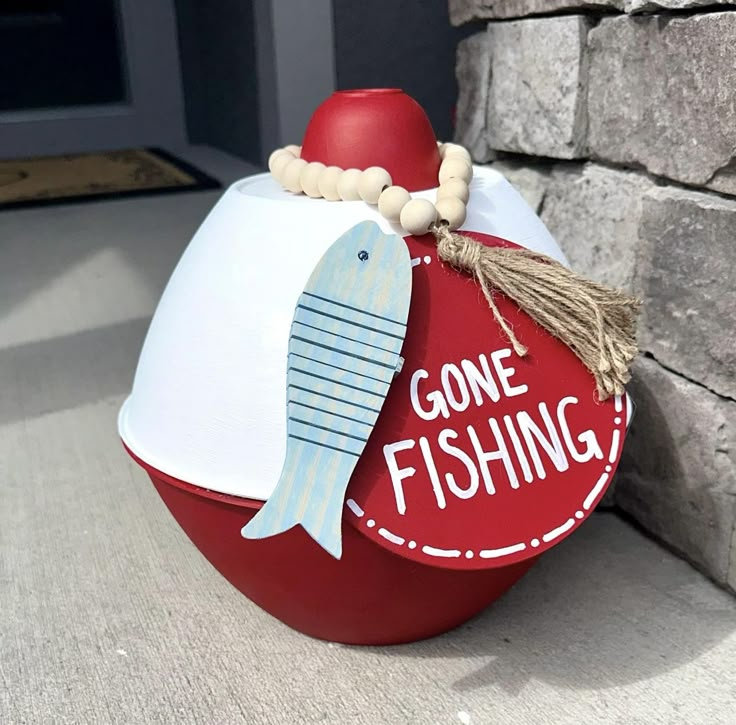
x,y
91,177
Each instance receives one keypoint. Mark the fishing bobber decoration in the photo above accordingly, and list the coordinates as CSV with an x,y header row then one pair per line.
x,y
373,384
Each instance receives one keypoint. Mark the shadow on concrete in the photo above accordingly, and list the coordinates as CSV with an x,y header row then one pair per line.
x,y
604,608
68,371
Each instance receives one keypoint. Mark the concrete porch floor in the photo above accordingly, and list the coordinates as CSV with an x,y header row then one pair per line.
x,y
109,615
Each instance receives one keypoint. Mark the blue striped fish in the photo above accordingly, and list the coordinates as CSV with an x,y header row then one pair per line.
x,y
344,351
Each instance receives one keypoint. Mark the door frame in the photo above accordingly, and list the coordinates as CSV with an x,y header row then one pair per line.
x,y
295,52
153,113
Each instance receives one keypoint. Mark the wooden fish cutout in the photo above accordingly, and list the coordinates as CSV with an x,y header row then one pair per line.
x,y
344,346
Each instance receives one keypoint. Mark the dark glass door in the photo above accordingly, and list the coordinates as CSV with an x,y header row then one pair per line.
x,y
60,53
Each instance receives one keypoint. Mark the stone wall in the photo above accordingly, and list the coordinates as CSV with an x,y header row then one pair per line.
x,y
616,120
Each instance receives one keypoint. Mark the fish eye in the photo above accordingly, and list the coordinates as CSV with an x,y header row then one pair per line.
x,y
362,255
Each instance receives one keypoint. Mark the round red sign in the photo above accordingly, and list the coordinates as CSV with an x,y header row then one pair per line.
x,y
481,458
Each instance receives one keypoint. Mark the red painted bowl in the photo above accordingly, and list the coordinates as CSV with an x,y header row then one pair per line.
x,y
369,597
375,127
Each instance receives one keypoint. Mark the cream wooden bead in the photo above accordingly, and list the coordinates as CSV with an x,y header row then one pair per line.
x,y
277,154
455,188
309,178
417,215
291,175
455,167
449,150
280,163
328,183
294,149
451,210
347,185
392,201
372,182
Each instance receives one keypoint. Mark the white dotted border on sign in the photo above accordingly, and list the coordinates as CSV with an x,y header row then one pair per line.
x,y
521,546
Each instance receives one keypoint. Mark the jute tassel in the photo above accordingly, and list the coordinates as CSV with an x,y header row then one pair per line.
x,y
596,322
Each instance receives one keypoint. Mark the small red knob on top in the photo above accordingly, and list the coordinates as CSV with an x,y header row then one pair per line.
x,y
375,127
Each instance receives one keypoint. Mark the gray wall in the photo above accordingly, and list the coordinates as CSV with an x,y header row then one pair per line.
x,y
407,44
218,58
620,130
255,70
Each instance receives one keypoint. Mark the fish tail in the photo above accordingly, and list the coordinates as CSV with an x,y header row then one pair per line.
x,y
326,532
279,514
262,525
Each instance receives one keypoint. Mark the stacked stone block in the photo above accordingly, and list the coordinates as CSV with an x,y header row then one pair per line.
x,y
616,120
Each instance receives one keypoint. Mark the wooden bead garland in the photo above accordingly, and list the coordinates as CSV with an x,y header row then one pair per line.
x,y
347,185
455,149
454,188
328,183
309,179
280,163
392,201
292,173
455,167
452,210
374,186
278,153
372,182
417,215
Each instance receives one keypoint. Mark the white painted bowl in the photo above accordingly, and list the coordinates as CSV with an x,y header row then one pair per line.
x,y
207,405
